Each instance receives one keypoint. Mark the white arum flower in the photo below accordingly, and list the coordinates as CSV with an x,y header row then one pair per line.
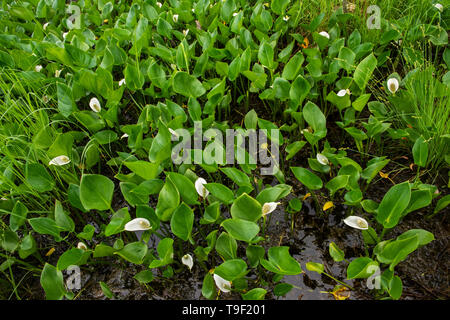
x,y
393,85
57,73
95,105
159,4
138,224
38,68
269,207
356,222
222,284
174,133
65,35
59,161
325,34
185,32
201,190
45,25
343,92
188,261
235,14
125,135
322,159
82,246
439,6
286,18
175,18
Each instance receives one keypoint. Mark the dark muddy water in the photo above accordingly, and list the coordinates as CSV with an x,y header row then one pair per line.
x,y
424,273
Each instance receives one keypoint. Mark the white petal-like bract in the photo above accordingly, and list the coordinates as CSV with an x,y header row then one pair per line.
x,y
325,34
269,207
201,190
138,224
122,82
95,105
82,246
188,261
38,68
59,161
439,6
222,284
356,222
393,85
322,159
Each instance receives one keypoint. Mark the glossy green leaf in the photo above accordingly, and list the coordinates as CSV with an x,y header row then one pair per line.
x,y
420,152
182,222
335,252
39,178
247,208
133,252
96,192
241,229
309,179
394,202
53,283
187,85
231,269
361,268
281,262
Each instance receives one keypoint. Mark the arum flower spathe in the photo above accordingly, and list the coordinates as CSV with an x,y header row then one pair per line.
x,y
199,186
38,68
269,207
95,105
393,85
324,34
175,135
122,82
439,6
59,161
222,284
188,261
175,18
356,222
323,160
82,246
343,92
138,224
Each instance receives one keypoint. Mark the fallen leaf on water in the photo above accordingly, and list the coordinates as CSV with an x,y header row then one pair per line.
x,y
341,293
384,175
306,196
328,205
305,43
